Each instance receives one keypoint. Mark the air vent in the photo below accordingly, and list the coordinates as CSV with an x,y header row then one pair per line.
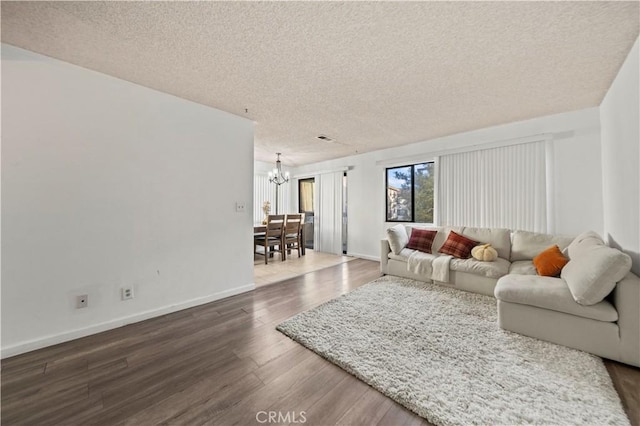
x,y
325,138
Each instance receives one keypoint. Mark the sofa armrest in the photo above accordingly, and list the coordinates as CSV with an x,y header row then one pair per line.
x,y
385,249
626,298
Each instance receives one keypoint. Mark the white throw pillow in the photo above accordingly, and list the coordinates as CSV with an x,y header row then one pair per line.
x,y
398,238
583,242
593,271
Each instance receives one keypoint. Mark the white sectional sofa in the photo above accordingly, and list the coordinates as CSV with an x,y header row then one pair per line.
x,y
606,322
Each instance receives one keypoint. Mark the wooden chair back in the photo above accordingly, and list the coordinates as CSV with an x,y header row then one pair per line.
x,y
272,238
292,238
292,225
275,225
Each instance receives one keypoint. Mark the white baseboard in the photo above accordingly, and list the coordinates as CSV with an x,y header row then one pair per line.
x,y
364,256
54,339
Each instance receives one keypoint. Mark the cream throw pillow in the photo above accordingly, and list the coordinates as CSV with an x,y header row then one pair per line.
x,y
583,242
594,268
398,238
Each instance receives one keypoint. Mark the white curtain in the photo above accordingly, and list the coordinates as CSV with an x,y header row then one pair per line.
x,y
263,190
328,215
501,187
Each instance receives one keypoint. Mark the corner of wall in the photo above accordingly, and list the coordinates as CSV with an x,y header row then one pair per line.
x,y
620,136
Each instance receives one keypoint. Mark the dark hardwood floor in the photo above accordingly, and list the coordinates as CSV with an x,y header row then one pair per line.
x,y
222,364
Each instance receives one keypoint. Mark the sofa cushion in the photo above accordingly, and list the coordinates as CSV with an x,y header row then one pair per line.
x,y
550,293
403,256
458,245
527,245
398,238
593,271
523,267
421,239
499,238
496,269
441,236
550,262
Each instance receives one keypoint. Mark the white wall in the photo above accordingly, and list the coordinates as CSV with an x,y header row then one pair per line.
x,y
577,194
619,115
105,184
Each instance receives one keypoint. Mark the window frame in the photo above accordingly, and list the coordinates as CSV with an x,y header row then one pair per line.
x,y
413,189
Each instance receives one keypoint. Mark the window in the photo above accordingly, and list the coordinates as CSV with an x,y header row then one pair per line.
x,y
409,193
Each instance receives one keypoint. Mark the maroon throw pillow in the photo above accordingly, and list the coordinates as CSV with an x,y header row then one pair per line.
x,y
458,246
421,239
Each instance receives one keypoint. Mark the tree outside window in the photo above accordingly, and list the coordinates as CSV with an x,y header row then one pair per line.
x,y
410,193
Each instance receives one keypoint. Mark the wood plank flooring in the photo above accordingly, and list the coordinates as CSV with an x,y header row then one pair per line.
x,y
219,364
277,270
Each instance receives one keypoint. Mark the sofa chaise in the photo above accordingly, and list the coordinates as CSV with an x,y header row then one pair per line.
x,y
593,305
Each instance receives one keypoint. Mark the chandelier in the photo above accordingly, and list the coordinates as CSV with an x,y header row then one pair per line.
x,y
276,175
278,178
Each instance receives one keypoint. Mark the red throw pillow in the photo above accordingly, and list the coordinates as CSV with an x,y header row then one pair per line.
x,y
550,262
421,239
458,246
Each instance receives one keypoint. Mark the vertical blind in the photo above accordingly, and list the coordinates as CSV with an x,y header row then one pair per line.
x,y
502,187
263,190
328,229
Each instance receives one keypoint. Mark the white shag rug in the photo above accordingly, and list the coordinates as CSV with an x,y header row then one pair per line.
x,y
440,353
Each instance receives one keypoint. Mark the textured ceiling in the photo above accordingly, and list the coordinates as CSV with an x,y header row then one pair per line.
x,y
368,74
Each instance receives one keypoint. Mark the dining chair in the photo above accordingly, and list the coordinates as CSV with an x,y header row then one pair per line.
x,y
272,238
292,234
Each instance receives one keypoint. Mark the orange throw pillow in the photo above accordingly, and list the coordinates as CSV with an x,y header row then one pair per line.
x,y
550,262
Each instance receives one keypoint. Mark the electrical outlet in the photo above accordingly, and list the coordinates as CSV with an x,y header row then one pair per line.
x,y
126,293
240,207
82,301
